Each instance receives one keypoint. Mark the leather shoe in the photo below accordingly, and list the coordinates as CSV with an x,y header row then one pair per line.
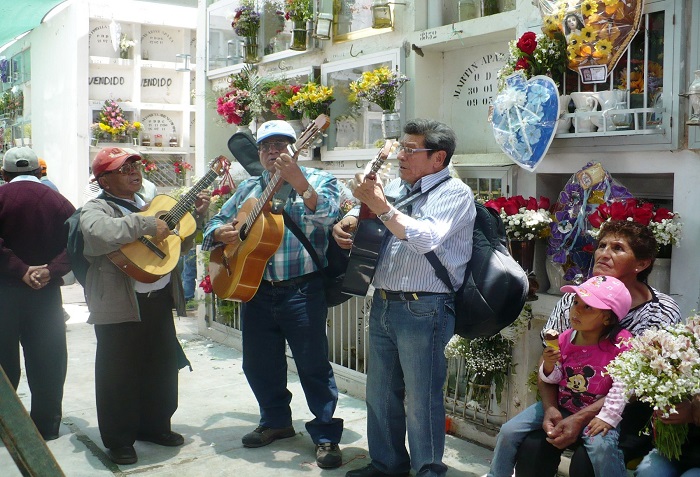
x,y
328,455
372,471
168,439
263,436
122,455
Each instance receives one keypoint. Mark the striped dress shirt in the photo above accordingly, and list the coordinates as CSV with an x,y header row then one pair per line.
x,y
442,221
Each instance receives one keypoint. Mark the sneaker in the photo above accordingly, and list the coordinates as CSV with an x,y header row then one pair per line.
x,y
122,455
263,436
328,455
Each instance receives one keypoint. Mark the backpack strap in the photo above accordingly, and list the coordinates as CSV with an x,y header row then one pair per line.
x,y
294,228
440,269
124,203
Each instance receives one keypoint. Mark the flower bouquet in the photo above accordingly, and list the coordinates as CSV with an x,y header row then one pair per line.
x,y
665,224
241,102
535,54
111,121
570,243
124,46
312,100
662,368
246,20
278,99
181,168
149,167
380,86
524,219
298,10
487,361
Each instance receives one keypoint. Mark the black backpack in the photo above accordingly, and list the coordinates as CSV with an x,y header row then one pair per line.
x,y
495,285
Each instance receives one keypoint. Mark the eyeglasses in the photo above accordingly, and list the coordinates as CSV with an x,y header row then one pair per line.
x,y
410,150
126,168
276,145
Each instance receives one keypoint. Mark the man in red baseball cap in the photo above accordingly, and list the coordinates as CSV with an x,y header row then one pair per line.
x,y
136,363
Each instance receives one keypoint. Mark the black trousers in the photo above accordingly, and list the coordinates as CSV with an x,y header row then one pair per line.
x,y
538,458
34,319
136,373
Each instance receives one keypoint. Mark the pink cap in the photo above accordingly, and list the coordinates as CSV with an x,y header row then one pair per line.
x,y
604,293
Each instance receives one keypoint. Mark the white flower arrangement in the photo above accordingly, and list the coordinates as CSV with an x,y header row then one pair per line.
x,y
527,224
668,231
662,368
125,44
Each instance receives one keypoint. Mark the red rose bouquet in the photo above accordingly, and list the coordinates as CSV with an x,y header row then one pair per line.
x,y
535,54
524,219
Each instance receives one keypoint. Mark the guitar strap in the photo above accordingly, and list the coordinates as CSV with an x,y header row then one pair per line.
x,y
124,203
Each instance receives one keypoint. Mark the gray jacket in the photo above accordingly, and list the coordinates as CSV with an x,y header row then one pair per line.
x,y
109,292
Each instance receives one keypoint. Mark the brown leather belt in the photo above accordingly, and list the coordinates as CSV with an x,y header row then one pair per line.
x,y
292,282
404,296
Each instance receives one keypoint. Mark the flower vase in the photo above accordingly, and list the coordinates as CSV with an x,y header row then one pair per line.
x,y
660,276
244,128
391,125
135,141
298,36
250,46
523,252
481,395
555,275
124,54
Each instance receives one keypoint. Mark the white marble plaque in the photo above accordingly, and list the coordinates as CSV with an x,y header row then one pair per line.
x,y
158,123
161,86
469,89
160,44
100,40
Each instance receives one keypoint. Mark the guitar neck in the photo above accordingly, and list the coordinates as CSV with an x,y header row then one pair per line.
x,y
272,187
184,205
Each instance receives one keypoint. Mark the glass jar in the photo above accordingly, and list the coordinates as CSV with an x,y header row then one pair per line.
x,y
173,141
469,9
158,140
145,139
381,14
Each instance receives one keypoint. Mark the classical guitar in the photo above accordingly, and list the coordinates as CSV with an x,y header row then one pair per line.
x,y
146,259
368,237
236,269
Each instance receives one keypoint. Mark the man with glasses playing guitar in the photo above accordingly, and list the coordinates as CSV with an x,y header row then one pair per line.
x,y
289,303
412,315
136,362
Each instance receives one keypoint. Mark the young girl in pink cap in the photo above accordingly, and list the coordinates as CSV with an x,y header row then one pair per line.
x,y
578,364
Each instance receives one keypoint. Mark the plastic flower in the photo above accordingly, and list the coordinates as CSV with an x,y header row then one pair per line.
x,y
298,10
380,86
242,101
181,167
246,20
125,43
312,100
524,219
277,98
536,54
206,285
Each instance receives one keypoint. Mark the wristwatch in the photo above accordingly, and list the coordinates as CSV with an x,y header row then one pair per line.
x,y
387,216
308,193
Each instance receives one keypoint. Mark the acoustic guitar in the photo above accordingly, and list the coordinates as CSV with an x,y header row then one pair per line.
x,y
368,237
236,269
147,260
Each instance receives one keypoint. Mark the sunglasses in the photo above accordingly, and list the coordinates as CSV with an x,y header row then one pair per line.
x,y
126,168
276,145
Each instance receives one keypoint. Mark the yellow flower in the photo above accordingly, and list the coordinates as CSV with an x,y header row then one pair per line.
x,y
588,7
611,3
575,40
603,48
589,34
137,125
572,51
551,23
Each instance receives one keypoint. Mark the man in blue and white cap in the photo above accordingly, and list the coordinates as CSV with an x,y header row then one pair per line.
x,y
289,303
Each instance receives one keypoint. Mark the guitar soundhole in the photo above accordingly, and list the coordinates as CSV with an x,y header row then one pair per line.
x,y
243,232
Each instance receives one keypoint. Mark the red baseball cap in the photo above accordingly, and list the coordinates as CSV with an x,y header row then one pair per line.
x,y
111,158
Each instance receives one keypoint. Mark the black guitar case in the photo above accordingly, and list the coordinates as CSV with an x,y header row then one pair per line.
x,y
244,149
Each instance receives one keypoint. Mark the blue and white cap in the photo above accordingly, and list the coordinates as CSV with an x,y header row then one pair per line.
x,y
275,127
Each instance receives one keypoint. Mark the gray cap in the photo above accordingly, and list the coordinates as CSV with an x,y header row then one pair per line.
x,y
20,159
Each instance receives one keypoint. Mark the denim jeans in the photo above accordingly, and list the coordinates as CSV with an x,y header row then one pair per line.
x,y
189,273
296,314
656,465
603,451
407,361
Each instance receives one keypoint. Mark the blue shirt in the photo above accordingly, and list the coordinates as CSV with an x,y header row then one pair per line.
x,y
291,259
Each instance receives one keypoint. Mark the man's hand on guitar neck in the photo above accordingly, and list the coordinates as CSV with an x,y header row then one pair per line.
x,y
291,173
343,230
